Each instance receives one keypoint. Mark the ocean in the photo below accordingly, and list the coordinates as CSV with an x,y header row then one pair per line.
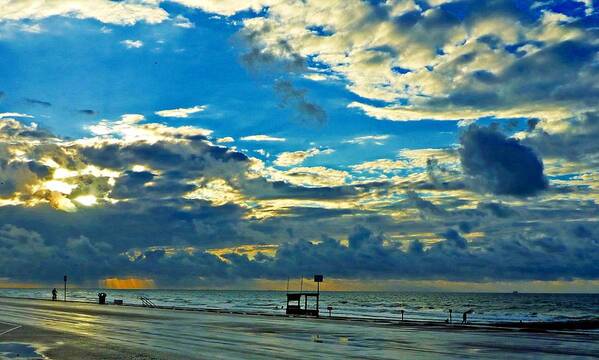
x,y
486,307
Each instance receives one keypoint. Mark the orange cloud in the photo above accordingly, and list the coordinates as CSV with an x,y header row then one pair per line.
x,y
128,283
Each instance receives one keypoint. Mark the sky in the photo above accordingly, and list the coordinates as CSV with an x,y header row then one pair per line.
x,y
389,145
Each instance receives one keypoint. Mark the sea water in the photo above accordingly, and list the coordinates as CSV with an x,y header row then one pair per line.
x,y
486,307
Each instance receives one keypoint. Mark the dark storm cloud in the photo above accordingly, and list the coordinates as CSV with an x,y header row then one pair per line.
x,y
146,233
366,256
500,165
38,102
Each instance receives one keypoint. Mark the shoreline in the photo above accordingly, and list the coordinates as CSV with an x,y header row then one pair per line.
x,y
530,326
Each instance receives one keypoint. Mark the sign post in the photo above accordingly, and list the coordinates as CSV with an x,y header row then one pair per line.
x,y
318,279
65,288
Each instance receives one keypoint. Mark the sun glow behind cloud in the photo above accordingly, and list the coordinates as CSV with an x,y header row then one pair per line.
x,y
127,283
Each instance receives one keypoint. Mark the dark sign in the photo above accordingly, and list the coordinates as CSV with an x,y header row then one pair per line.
x,y
65,278
318,278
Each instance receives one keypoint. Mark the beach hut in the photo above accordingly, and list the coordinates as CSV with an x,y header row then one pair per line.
x,y
310,300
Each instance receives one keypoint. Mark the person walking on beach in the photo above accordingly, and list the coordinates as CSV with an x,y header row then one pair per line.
x,y
54,294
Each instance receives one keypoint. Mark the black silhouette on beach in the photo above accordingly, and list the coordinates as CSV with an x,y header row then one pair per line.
x,y
54,294
465,316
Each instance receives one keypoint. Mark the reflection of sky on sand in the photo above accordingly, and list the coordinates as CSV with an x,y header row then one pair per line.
x,y
14,350
192,334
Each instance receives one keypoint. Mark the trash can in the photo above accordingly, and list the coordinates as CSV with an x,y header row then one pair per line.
x,y
101,298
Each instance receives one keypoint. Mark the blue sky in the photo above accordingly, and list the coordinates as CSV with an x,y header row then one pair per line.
x,y
243,132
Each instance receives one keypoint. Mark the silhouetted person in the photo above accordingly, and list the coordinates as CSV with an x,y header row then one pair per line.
x,y
54,294
465,316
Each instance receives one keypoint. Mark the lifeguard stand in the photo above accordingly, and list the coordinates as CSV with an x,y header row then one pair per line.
x,y
294,300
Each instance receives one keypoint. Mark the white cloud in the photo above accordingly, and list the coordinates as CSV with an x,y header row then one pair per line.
x,y
13,114
129,129
316,176
384,165
225,7
262,138
132,44
181,112
226,139
183,22
361,140
112,12
292,158
434,67
34,29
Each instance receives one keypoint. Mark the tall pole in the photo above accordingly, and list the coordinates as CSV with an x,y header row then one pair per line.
x,y
65,288
318,297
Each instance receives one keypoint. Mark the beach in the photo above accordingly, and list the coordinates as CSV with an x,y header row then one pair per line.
x,y
71,330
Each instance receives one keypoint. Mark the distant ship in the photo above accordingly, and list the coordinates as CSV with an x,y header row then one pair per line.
x,y
514,292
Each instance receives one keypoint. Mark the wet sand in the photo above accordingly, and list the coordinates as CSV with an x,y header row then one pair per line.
x,y
60,330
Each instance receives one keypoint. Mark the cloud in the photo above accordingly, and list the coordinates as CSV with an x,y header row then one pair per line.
x,y
410,62
226,139
38,102
226,8
183,22
362,140
132,44
106,11
384,165
181,112
500,165
296,98
291,158
262,138
87,112
574,140
201,202
12,114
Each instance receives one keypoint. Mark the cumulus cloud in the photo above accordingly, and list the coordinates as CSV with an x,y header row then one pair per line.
x,y
181,112
106,11
575,140
426,62
500,165
201,202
